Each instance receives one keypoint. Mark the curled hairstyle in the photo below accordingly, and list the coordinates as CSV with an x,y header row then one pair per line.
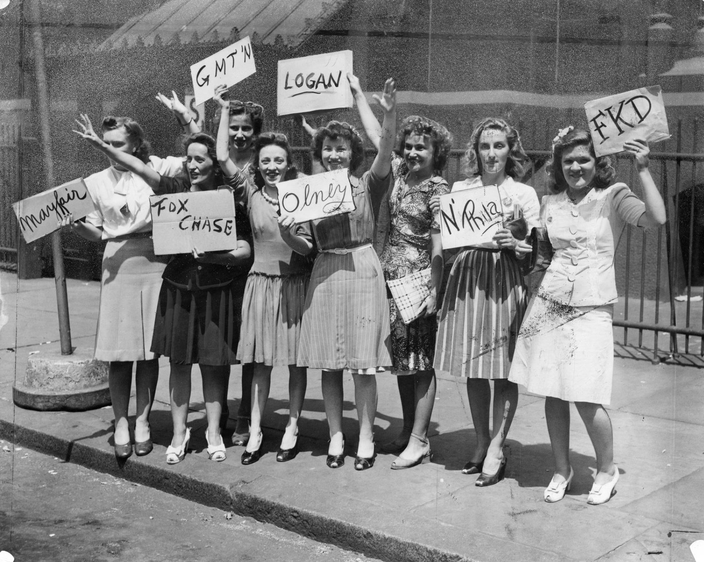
x,y
209,143
604,170
277,139
249,108
440,138
339,130
517,160
135,134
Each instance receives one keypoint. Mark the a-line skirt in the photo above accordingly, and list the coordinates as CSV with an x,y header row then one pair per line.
x,y
482,310
200,326
566,352
346,319
272,308
129,292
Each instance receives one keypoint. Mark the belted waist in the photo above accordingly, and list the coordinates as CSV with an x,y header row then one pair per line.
x,y
132,235
343,251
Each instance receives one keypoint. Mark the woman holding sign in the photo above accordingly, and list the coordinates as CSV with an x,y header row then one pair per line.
x,y
198,312
346,320
131,276
485,296
565,346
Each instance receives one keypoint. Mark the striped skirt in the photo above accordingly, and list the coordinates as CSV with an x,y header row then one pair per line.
x,y
482,311
346,319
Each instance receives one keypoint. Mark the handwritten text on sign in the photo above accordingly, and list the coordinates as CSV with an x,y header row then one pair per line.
x,y
314,83
204,220
316,197
229,66
470,217
636,114
39,215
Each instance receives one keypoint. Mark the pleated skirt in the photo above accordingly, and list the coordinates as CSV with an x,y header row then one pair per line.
x,y
200,326
346,319
482,311
566,352
272,308
129,292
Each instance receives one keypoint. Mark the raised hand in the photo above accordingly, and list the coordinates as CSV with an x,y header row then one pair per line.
x,y
640,150
387,100
354,84
87,131
217,96
307,127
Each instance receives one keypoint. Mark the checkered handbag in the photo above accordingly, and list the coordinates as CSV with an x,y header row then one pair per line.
x,y
409,293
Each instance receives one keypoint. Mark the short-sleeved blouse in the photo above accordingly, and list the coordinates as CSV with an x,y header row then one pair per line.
x,y
584,237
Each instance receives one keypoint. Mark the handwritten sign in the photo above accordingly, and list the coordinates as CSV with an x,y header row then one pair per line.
x,y
227,67
636,114
314,83
39,215
204,220
470,217
316,197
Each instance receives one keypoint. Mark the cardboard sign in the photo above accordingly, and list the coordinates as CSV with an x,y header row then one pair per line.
x,y
636,114
316,197
314,83
229,66
196,219
470,217
39,215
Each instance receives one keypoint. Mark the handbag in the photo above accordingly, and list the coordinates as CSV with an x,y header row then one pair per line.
x,y
541,251
410,293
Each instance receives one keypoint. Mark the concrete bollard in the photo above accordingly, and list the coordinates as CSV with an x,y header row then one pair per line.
x,y
53,381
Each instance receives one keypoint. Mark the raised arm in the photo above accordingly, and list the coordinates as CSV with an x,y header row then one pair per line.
x,y
180,112
655,214
222,147
130,162
381,167
369,120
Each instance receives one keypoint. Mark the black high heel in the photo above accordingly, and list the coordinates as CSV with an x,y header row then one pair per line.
x,y
336,461
250,457
473,467
364,463
485,480
285,455
123,452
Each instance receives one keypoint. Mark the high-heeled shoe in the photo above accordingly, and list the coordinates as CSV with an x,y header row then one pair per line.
x,y
216,453
364,463
250,457
336,461
473,467
285,455
400,463
485,479
395,447
145,447
556,490
240,437
123,452
602,494
175,455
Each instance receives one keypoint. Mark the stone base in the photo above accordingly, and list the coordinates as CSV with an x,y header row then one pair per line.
x,y
63,382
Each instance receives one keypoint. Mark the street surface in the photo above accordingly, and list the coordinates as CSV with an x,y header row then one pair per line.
x,y
56,511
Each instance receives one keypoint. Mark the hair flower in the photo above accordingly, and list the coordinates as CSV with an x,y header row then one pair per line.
x,y
560,134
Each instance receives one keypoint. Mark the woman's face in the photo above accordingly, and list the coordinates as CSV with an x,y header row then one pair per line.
x,y
336,154
120,140
578,167
418,153
273,164
493,151
241,132
199,165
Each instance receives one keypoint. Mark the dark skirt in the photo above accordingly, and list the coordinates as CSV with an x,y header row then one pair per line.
x,y
201,326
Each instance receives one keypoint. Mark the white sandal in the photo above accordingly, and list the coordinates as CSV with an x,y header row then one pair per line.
x,y
175,455
555,492
216,453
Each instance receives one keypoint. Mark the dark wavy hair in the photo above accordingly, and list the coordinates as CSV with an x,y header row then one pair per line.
x,y
209,143
278,139
339,130
135,134
440,138
517,161
253,110
604,171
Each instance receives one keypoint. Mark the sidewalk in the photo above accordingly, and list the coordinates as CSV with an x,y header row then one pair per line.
x,y
431,512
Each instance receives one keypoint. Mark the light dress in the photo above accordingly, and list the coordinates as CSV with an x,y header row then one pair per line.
x,y
565,345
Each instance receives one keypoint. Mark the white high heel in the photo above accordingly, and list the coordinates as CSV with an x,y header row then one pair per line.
x,y
602,494
556,490
216,453
175,455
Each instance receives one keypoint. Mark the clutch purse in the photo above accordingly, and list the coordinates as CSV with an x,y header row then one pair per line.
x,y
409,293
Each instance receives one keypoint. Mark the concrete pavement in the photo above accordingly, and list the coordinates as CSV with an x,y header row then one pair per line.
x,y
430,512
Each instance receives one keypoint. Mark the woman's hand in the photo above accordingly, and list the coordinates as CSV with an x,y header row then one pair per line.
x,y
88,133
640,150
430,304
175,106
505,240
354,84
434,204
66,221
217,96
286,226
387,100
198,255
307,127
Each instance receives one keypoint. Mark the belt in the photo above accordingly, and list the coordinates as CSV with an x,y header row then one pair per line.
x,y
343,251
132,236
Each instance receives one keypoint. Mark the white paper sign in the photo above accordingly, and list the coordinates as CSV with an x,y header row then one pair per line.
x,y
316,197
314,83
470,217
204,220
229,66
636,114
39,215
